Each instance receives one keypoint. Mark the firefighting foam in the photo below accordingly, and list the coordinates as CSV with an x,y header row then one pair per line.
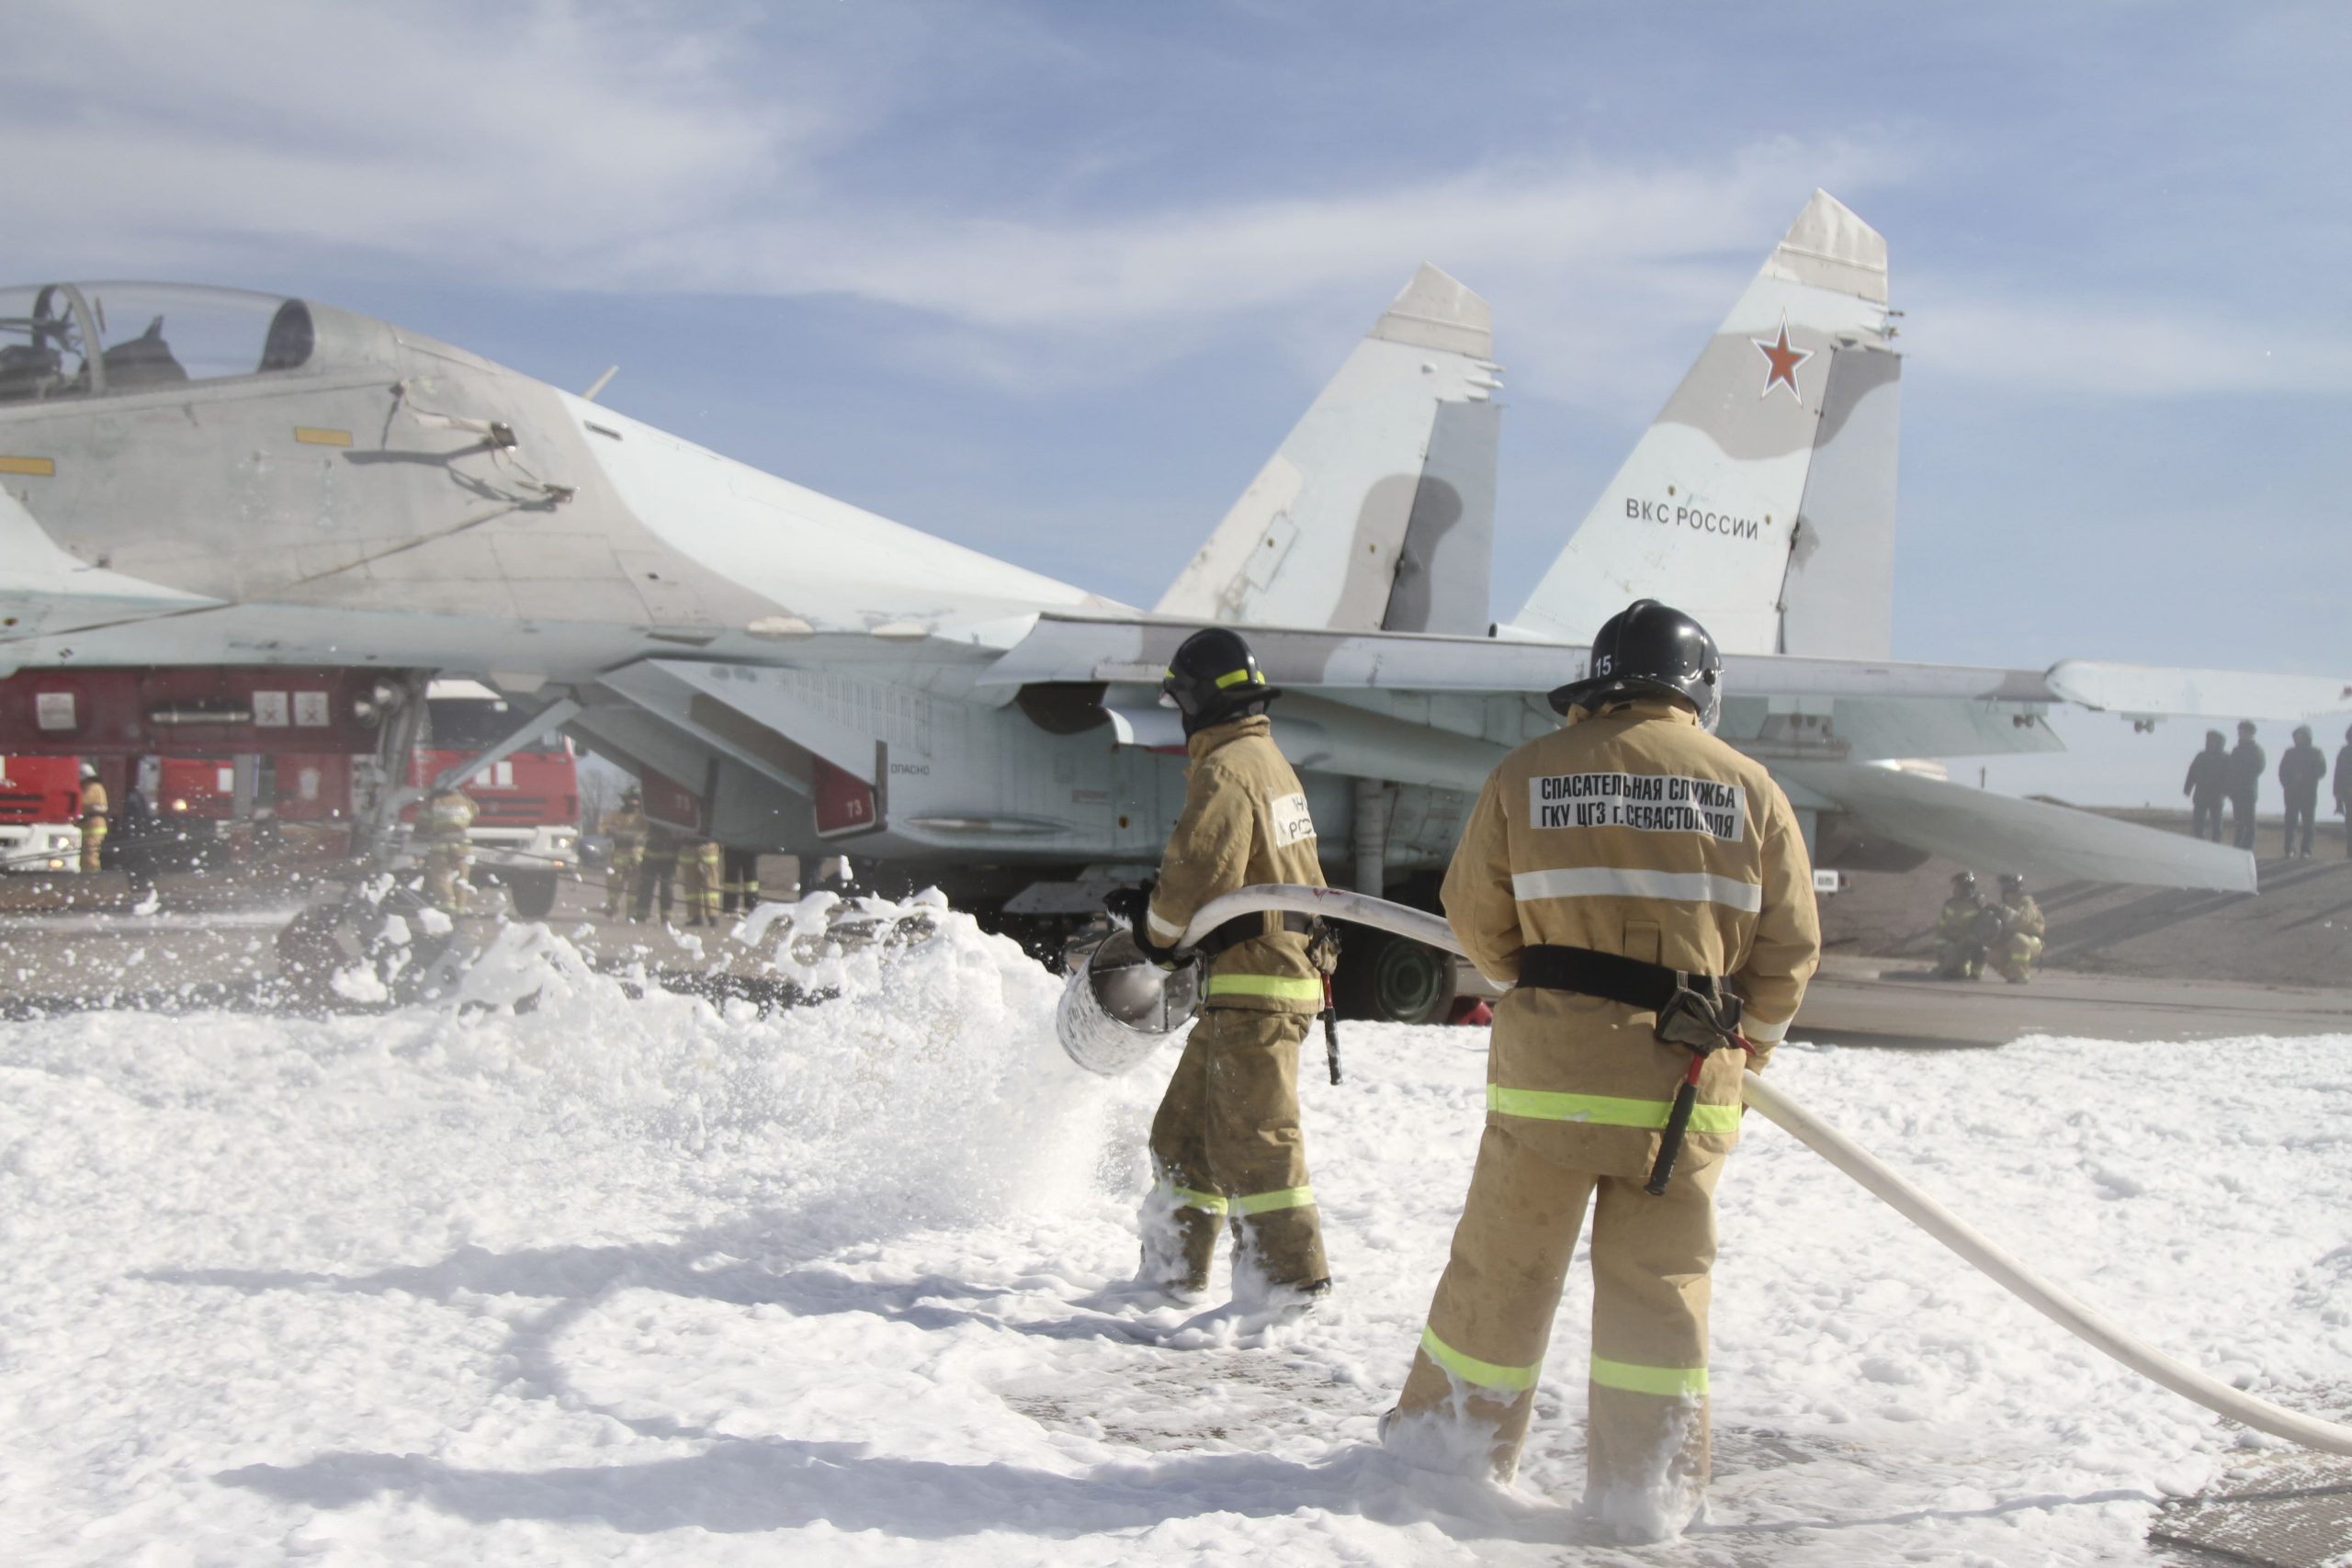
x,y
544,1267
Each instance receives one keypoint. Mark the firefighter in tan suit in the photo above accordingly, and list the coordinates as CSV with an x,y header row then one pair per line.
x,y
94,818
1227,1146
1599,860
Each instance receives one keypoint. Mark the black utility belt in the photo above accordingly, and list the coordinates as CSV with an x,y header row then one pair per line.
x,y
1700,1012
1250,928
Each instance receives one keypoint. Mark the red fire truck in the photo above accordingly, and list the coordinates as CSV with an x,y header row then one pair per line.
x,y
41,814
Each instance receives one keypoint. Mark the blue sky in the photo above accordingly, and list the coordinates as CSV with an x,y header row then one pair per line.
x,y
1053,279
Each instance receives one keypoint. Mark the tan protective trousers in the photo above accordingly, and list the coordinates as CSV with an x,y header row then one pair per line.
x,y
1227,1149
620,878
93,840
1483,1351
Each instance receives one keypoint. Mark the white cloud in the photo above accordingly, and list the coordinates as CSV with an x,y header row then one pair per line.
x,y
573,145
569,144
531,139
2145,348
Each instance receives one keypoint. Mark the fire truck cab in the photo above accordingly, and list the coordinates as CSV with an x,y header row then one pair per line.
x,y
41,814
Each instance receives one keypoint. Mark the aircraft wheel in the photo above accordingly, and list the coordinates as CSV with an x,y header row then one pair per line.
x,y
1391,979
532,893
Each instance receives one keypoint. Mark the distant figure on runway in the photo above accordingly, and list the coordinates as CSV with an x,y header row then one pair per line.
x,y
2300,771
2019,947
699,859
661,846
739,887
1965,927
2344,791
2246,761
94,819
134,847
443,839
626,829
2208,786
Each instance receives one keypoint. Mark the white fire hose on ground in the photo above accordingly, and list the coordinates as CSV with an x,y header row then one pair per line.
x,y
1113,1017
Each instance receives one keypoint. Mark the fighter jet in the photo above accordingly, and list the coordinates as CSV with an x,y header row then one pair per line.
x,y
324,510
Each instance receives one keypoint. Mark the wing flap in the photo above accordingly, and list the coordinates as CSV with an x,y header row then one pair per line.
x,y
2147,691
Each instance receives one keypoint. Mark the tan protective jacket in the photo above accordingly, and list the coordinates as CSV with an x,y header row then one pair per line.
x,y
447,818
93,798
1245,821
1632,831
626,829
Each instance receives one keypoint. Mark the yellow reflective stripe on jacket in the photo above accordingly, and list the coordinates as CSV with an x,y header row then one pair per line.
x,y
1287,988
1190,1197
1668,1382
1470,1370
1604,1110
1267,1202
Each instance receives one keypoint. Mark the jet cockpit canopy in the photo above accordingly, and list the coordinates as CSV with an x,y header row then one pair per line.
x,y
84,339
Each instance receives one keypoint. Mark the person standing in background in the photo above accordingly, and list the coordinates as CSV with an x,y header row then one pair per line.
x,y
2246,761
2299,771
94,819
2206,786
2344,791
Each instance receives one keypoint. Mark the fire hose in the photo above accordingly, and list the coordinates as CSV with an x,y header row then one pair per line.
x,y
1874,1176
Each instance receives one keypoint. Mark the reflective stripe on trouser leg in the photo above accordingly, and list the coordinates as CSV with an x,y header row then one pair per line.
x,y
1646,1435
1255,1149
1483,1350
1178,1233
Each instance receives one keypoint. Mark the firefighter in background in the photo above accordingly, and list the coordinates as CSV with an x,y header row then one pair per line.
x,y
1965,928
1645,892
1226,1147
698,865
2300,770
2017,949
662,843
94,818
739,889
626,829
444,826
2206,786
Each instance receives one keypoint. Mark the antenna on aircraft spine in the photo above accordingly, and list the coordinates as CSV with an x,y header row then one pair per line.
x,y
598,384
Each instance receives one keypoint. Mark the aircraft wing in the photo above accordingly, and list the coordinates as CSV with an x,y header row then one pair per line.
x,y
1440,710
1082,648
2142,692
1070,648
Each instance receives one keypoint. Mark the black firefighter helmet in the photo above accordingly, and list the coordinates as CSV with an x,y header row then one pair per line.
x,y
1214,677
1649,649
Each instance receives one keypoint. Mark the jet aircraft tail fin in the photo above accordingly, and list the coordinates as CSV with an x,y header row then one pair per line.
x,y
1762,500
1377,511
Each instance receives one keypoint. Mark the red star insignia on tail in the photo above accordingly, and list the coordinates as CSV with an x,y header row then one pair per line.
x,y
1783,361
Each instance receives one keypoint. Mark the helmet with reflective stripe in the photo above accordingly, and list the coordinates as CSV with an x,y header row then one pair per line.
x,y
1214,677
1649,649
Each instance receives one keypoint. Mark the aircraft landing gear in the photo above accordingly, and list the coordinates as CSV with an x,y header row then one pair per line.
x,y
531,892
1391,979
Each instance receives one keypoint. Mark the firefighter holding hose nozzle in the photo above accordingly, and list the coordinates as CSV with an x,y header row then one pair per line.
x,y
1227,1146
1645,890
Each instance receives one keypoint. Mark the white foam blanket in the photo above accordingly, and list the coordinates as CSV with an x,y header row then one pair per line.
x,y
641,1280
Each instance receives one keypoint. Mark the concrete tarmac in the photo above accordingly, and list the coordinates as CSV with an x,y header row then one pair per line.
x,y
1876,1001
